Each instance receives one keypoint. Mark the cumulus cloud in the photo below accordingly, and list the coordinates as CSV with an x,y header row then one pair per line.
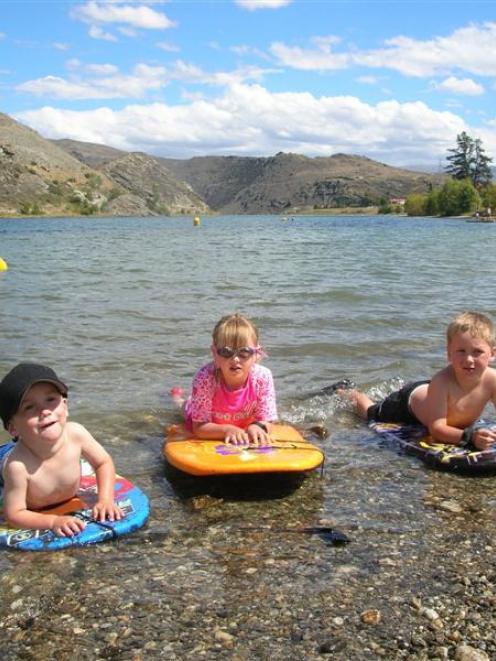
x,y
138,16
102,69
167,47
253,5
465,86
321,57
471,48
105,81
368,80
250,120
96,32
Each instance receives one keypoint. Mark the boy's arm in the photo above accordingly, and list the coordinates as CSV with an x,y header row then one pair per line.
x,y
440,430
101,461
437,412
17,513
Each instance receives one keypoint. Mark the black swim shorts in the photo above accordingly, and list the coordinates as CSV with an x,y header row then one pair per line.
x,y
394,408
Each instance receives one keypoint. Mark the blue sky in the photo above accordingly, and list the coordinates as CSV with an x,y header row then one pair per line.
x,y
395,81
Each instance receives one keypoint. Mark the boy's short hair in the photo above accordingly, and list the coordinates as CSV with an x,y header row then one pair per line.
x,y
475,323
18,381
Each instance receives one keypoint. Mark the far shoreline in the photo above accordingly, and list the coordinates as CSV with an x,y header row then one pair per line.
x,y
366,212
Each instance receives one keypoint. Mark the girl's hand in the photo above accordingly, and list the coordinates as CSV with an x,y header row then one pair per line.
x,y
484,438
258,436
68,526
236,436
103,511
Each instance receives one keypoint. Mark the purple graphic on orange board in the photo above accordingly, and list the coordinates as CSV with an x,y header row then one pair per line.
x,y
238,449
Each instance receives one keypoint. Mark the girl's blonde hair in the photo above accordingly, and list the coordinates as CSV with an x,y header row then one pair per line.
x,y
234,331
475,323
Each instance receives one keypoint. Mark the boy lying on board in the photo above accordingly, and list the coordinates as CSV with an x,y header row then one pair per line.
x,y
452,401
44,468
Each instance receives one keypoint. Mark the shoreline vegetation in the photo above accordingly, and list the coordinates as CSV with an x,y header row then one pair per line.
x,y
345,211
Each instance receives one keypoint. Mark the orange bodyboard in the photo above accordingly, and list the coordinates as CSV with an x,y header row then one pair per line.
x,y
289,453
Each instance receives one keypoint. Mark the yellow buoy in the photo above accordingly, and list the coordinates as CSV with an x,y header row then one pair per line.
x,y
196,221
3,265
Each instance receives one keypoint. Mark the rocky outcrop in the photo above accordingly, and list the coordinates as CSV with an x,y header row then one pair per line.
x,y
39,176
145,177
288,183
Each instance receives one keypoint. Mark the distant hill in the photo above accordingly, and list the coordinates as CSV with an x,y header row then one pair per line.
x,y
89,152
284,183
289,183
38,176
57,177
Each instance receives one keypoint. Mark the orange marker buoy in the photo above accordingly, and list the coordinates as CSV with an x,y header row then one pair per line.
x,y
196,221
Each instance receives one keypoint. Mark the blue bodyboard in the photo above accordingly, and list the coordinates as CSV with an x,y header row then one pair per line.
x,y
132,501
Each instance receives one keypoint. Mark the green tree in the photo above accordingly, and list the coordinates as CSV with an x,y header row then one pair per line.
x,y
468,160
432,203
489,197
415,204
457,197
482,173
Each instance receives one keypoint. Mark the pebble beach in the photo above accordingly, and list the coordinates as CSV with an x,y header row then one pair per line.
x,y
224,569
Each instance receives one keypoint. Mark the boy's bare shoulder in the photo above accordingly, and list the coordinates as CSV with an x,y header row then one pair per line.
x,y
490,375
444,376
76,431
491,372
14,464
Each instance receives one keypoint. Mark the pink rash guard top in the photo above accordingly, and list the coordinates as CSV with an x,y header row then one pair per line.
x,y
211,401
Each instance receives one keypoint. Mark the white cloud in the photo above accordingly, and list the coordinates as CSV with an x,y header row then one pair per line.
x,y
73,63
102,69
60,46
104,81
127,32
167,47
111,84
250,120
96,32
321,57
141,16
253,5
368,80
472,49
465,86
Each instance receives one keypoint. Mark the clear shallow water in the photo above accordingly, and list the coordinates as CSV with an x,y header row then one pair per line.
x,y
123,309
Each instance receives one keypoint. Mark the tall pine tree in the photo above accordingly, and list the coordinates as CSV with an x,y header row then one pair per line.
x,y
469,161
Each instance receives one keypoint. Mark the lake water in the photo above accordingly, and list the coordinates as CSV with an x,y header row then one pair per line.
x,y
123,309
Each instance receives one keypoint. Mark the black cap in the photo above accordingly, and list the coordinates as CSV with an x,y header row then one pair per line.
x,y
18,381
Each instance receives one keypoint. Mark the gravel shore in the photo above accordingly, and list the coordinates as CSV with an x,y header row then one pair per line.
x,y
224,571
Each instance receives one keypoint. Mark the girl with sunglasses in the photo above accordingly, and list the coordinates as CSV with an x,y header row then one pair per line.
x,y
233,396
